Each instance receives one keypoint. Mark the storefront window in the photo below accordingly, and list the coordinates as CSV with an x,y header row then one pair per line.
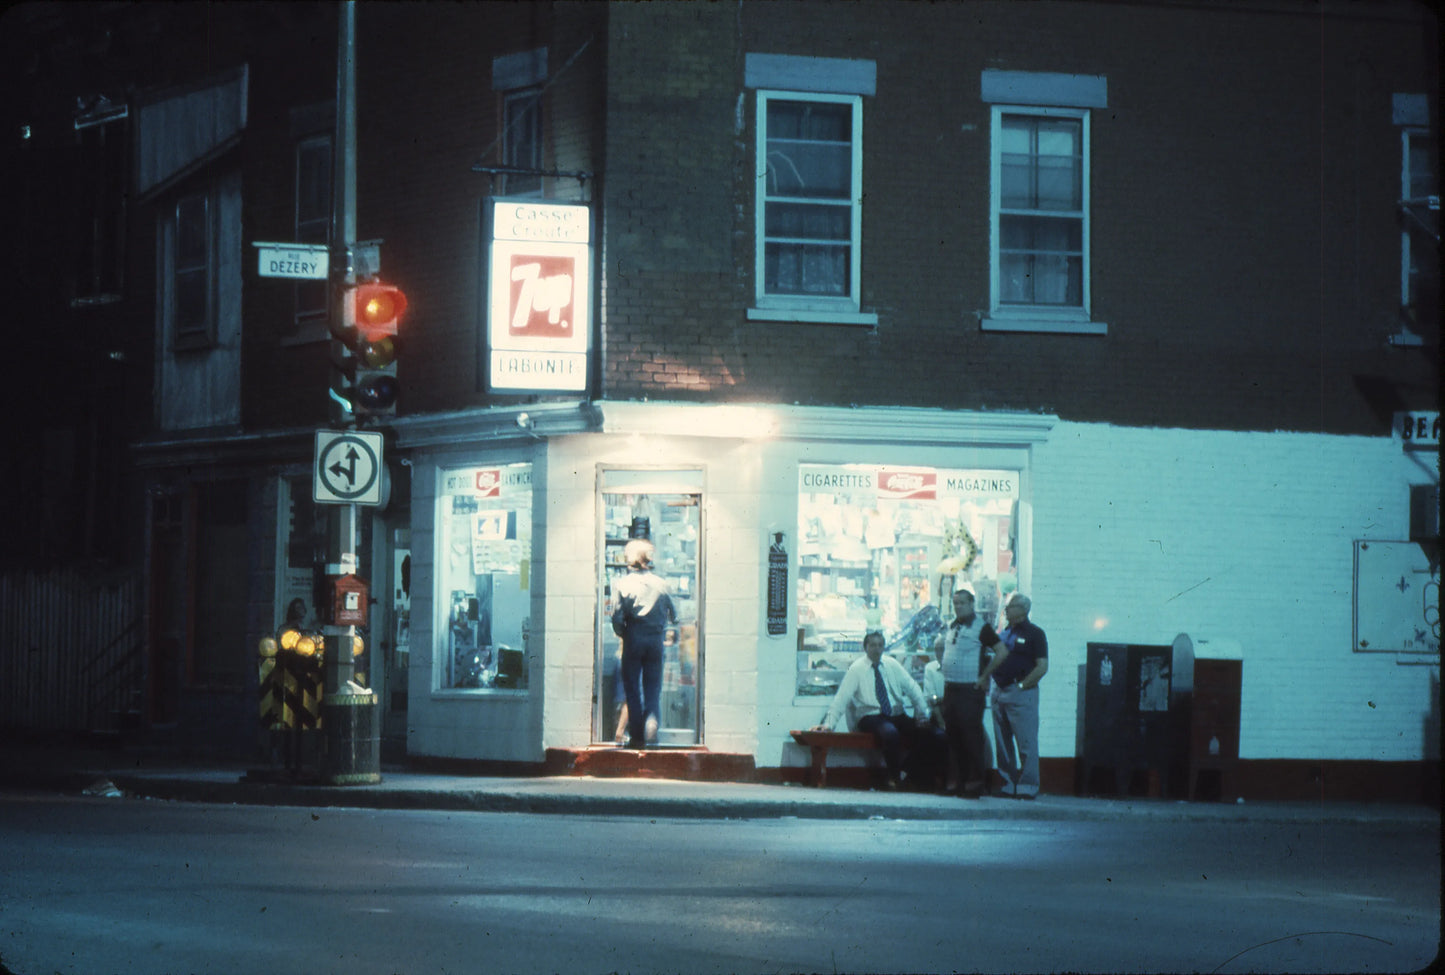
x,y
882,548
484,553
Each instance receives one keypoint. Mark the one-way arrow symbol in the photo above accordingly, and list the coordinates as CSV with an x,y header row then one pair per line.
x,y
349,471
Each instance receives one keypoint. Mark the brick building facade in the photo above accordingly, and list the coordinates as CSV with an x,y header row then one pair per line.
x,y
1147,265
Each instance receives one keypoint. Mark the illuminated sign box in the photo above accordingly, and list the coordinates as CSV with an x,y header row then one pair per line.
x,y
539,318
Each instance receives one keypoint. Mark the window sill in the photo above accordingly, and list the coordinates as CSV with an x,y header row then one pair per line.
x,y
1055,325
866,319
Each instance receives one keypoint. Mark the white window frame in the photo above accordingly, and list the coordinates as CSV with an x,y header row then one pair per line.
x,y
801,308
1037,318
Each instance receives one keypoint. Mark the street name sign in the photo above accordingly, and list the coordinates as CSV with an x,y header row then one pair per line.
x,y
305,262
348,467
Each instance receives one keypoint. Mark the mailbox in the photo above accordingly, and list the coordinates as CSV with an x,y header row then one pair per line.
x,y
350,600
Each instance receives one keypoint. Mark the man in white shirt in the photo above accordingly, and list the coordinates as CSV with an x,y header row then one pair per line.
x,y
874,688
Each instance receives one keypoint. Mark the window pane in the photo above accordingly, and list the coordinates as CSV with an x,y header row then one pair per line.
x,y
190,301
1016,175
313,217
809,149
1041,234
1058,137
522,140
1016,136
192,272
806,270
1041,167
484,525
1421,172
809,169
827,121
1060,185
191,232
1041,260
313,192
814,222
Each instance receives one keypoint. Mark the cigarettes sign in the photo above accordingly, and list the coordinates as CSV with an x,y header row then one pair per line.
x,y
539,318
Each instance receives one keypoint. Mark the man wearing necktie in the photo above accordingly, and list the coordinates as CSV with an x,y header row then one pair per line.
x,y
875,688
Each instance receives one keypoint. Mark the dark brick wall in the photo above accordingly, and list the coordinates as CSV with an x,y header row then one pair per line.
x,y
428,115
1244,242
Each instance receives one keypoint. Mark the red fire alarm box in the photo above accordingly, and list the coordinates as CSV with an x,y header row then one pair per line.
x,y
350,600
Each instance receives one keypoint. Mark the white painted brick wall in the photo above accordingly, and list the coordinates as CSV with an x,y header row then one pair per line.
x,y
1136,535
1141,534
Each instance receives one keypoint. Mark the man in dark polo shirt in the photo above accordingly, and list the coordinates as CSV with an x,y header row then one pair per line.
x,y
1016,700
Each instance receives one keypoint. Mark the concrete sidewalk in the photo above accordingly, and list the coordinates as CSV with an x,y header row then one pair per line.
x,y
117,773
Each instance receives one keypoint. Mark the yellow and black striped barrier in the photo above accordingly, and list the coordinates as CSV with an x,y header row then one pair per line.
x,y
301,680
273,706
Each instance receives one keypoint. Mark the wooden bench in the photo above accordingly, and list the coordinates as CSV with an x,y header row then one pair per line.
x,y
820,741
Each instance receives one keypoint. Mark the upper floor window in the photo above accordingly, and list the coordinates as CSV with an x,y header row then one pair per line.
x,y
103,160
809,203
1041,211
192,235
522,142
1039,277
313,226
1420,206
519,79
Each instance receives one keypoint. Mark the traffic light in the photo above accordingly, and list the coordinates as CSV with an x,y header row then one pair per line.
x,y
373,310
367,384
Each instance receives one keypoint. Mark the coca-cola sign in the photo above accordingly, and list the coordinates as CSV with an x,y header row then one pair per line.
x,y
489,483
922,485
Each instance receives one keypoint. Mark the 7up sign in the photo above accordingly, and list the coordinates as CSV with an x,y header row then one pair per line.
x,y
539,315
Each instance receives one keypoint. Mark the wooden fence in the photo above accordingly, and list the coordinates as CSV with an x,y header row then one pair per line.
x,y
71,649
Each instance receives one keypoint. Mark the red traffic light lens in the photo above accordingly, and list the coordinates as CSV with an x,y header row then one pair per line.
x,y
376,308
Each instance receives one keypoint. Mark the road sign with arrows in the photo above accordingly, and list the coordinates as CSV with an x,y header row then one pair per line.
x,y
348,467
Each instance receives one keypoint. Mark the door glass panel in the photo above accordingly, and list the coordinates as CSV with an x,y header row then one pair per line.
x,y
666,510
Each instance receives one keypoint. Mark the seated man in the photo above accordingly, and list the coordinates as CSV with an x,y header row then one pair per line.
x,y
874,688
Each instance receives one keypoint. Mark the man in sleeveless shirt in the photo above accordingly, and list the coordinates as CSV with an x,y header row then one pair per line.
x,y
971,651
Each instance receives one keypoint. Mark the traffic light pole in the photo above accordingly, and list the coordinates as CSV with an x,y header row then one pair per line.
x,y
348,713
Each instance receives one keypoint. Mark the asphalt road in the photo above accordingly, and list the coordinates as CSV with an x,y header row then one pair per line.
x,y
92,885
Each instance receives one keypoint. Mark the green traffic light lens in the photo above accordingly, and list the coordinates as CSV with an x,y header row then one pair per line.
x,y
377,393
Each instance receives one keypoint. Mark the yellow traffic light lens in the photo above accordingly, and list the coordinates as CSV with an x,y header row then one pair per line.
x,y
357,646
379,353
289,638
267,647
306,646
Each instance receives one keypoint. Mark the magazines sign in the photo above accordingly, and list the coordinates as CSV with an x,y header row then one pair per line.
x,y
539,314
